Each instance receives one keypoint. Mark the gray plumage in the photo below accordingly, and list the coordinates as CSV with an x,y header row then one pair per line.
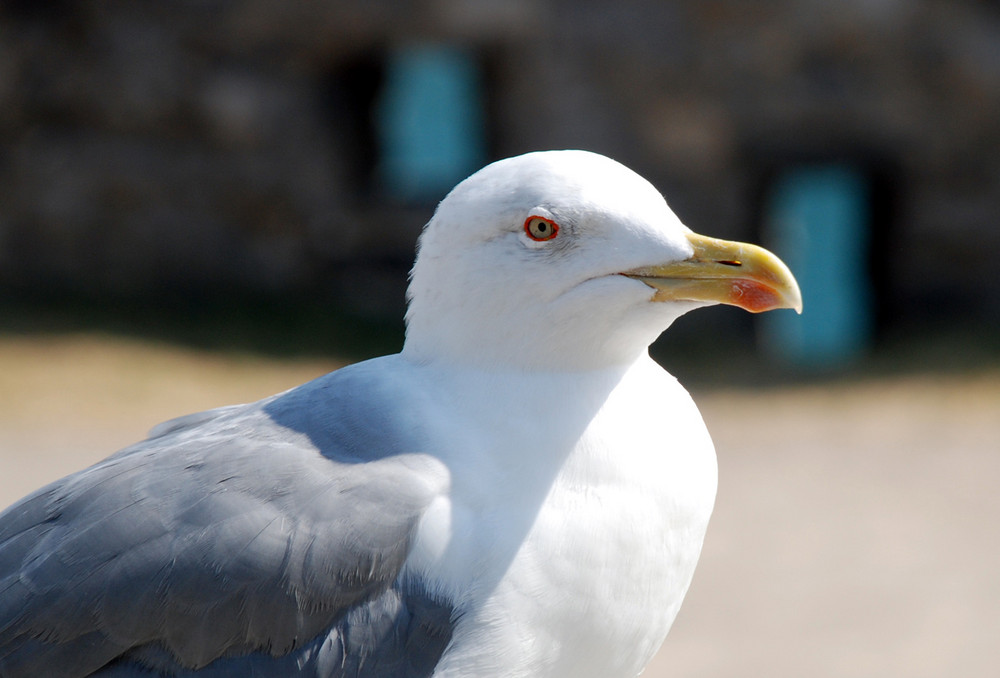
x,y
255,540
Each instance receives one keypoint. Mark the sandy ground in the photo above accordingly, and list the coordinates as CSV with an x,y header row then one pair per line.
x,y
855,534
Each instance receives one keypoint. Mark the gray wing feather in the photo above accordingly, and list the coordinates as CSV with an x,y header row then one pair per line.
x,y
189,421
242,530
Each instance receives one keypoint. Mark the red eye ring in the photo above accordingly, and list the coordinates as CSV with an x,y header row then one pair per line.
x,y
540,229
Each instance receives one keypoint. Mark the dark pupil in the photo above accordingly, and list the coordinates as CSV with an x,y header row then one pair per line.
x,y
542,226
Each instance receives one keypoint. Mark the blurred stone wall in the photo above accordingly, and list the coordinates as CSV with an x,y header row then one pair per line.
x,y
215,146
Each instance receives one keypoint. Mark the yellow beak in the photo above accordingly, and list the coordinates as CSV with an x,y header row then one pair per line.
x,y
724,272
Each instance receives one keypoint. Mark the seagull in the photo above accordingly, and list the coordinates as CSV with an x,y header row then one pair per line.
x,y
521,491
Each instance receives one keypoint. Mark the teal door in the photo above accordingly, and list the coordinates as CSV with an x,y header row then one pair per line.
x,y
817,218
430,122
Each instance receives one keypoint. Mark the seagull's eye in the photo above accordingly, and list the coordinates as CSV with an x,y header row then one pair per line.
x,y
540,228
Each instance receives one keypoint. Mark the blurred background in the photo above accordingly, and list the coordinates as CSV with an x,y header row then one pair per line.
x,y
206,201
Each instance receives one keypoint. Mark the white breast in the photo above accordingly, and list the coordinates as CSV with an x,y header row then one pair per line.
x,y
589,555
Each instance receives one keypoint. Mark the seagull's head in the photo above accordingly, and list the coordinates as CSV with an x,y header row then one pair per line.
x,y
569,260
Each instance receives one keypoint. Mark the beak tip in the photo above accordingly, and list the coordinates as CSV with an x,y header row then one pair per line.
x,y
796,296
797,305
